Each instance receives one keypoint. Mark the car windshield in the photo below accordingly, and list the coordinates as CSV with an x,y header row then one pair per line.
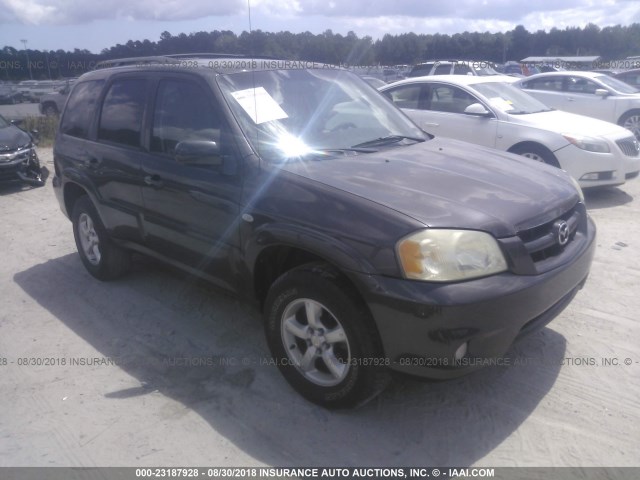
x,y
618,85
3,122
509,99
290,114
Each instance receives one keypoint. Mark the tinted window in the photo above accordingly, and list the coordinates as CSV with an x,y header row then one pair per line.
x,y
461,69
81,108
122,111
445,98
544,83
183,112
407,96
421,70
442,69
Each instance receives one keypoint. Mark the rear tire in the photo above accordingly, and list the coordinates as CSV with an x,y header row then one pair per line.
x,y
323,338
101,257
537,153
50,111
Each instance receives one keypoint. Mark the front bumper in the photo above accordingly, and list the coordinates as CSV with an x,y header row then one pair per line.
x,y
422,325
594,169
19,165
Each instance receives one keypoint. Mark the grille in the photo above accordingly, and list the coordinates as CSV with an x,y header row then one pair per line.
x,y
541,242
629,147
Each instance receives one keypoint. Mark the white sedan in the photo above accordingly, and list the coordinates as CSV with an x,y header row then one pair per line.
x,y
588,93
490,111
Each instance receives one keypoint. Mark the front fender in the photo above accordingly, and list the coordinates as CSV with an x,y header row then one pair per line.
x,y
333,250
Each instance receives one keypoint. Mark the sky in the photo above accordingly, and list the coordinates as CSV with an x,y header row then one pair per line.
x,y
70,24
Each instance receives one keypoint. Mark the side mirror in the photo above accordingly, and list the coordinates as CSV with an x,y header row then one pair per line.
x,y
602,92
17,122
478,110
198,153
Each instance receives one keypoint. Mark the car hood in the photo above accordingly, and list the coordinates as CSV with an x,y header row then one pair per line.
x,y
561,122
446,183
12,137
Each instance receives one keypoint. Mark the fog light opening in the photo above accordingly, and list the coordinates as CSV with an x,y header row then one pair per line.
x,y
594,176
461,351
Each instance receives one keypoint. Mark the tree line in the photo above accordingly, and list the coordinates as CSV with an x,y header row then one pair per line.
x,y
616,42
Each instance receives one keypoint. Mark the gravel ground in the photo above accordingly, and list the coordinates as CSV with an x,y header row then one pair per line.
x,y
103,374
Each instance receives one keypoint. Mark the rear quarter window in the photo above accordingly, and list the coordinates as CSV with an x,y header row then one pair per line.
x,y
81,109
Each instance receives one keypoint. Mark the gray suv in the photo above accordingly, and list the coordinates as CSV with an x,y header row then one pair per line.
x,y
369,245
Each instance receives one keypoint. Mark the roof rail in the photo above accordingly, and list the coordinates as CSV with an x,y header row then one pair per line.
x,y
119,62
173,58
205,55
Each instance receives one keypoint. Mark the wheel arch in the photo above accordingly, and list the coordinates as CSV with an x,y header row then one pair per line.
x,y
527,144
631,111
276,258
72,191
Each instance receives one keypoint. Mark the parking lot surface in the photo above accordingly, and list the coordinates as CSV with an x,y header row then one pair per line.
x,y
160,369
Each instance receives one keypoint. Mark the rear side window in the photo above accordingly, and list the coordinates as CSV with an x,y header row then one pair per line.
x,y
81,108
122,112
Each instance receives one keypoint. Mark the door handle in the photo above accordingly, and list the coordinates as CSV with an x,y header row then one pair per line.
x,y
153,181
430,124
570,99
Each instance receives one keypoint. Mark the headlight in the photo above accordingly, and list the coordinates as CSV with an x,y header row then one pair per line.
x,y
578,188
436,255
590,144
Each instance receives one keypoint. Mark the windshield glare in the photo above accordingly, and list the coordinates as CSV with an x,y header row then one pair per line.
x,y
293,113
618,85
509,99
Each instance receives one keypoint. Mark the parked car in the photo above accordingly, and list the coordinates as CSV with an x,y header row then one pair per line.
x,y
632,77
489,111
374,82
33,90
588,93
9,95
517,69
18,158
369,245
453,67
51,103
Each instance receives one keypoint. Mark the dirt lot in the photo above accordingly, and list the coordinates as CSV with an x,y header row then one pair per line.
x,y
101,374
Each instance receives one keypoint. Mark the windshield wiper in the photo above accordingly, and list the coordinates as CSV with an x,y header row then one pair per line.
x,y
327,153
528,112
389,139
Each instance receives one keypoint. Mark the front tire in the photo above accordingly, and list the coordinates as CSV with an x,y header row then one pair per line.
x,y
537,153
631,121
100,256
323,338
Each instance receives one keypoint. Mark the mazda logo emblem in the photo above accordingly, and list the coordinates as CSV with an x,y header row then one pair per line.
x,y
561,231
